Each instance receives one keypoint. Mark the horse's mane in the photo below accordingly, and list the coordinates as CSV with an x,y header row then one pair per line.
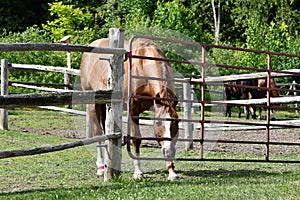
x,y
169,97
146,47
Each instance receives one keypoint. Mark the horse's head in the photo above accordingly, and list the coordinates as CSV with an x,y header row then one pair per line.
x,y
167,125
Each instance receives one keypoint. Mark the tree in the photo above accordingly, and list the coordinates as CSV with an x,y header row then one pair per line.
x,y
17,15
68,20
217,19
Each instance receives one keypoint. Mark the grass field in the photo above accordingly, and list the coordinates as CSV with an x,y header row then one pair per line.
x,y
70,174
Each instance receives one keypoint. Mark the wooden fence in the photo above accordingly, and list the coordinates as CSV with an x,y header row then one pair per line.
x,y
113,135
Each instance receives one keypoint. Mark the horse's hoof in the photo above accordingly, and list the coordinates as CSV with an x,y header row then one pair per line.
x,y
173,177
138,175
100,170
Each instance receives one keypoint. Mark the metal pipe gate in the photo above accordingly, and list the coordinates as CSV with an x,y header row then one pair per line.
x,y
202,82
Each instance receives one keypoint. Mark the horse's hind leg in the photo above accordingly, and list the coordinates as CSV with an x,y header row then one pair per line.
x,y
239,111
273,115
253,112
260,115
97,117
228,111
247,111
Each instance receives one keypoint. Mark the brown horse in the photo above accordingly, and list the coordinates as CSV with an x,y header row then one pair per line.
x,y
262,92
234,89
94,76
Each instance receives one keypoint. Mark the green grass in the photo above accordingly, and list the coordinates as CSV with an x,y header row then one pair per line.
x,y
40,119
70,174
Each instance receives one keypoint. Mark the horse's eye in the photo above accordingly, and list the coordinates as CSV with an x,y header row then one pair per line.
x,y
158,123
158,105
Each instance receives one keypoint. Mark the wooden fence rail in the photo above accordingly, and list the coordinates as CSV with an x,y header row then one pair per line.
x,y
6,47
235,77
47,149
56,98
44,68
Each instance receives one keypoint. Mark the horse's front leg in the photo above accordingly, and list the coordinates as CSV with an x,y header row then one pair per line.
x,y
170,165
172,174
135,131
273,115
247,111
253,112
259,113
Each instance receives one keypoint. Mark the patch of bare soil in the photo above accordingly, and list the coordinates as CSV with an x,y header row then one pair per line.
x,y
276,135
58,132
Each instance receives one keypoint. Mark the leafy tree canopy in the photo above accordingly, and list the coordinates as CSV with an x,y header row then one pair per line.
x,y
257,24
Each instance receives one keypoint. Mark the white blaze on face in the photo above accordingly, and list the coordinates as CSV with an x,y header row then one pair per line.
x,y
167,148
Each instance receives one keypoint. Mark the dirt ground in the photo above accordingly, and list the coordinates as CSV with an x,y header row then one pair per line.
x,y
276,135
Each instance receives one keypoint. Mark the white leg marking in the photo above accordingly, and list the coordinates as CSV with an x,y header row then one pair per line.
x,y
138,173
172,176
100,162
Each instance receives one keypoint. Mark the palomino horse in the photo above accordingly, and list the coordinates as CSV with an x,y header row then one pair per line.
x,y
94,76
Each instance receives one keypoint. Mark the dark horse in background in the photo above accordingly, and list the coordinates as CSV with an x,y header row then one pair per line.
x,y
232,90
239,90
248,89
262,93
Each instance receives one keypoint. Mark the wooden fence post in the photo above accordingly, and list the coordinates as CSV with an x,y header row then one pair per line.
x,y
113,124
295,94
188,130
67,77
88,127
193,97
4,91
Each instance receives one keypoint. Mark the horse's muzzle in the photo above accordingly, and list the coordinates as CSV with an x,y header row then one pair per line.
x,y
168,150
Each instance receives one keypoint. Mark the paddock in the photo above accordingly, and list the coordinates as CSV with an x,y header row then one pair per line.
x,y
203,128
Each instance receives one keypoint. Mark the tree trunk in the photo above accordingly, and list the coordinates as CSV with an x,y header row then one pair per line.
x,y
217,19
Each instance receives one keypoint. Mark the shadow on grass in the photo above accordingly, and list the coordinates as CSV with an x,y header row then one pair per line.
x,y
158,178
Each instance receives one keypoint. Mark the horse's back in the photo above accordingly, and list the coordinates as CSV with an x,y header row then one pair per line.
x,y
150,68
94,68
263,83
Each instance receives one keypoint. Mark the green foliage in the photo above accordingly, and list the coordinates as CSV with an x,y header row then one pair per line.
x,y
68,20
48,58
264,25
176,16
